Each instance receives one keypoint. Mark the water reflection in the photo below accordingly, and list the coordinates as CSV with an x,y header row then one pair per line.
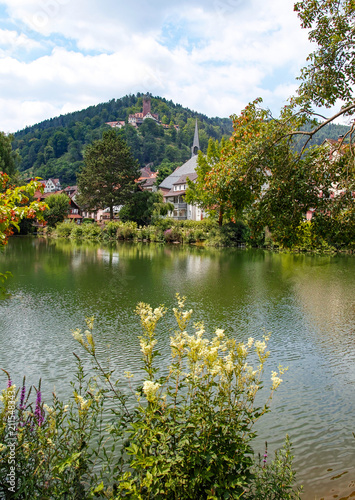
x,y
306,302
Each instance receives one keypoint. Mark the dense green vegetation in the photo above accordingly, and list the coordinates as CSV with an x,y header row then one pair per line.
x,y
55,147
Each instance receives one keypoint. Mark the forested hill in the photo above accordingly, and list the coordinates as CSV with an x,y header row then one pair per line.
x,y
54,147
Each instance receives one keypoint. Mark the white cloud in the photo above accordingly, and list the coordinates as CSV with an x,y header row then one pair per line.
x,y
11,41
217,56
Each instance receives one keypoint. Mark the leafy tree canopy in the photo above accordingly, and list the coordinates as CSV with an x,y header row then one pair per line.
x,y
109,175
330,74
58,208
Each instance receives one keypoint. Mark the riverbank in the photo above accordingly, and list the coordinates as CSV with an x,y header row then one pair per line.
x,y
203,233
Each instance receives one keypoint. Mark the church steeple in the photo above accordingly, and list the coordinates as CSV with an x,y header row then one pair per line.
x,y
196,144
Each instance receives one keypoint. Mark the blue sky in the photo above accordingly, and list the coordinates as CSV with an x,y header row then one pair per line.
x,y
213,56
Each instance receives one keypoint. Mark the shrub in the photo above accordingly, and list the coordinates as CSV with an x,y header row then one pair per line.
x,y
127,230
165,223
64,229
173,234
44,451
92,231
77,231
110,229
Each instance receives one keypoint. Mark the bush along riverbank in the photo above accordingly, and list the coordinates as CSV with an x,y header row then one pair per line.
x,y
183,432
206,232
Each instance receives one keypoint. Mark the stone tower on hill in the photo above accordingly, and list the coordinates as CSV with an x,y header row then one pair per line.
x,y
146,105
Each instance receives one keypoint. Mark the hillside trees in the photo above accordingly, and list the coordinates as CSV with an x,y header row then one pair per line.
x,y
8,158
108,177
54,147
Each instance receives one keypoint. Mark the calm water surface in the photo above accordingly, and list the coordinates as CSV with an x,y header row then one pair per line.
x,y
308,303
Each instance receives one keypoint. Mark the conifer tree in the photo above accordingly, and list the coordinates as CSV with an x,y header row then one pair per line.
x,y
109,175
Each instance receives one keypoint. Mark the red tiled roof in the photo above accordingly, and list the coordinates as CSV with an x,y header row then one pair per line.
x,y
74,216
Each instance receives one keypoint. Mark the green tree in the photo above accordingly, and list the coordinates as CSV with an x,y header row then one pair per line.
x,y
213,200
8,157
15,205
108,176
145,207
59,143
58,208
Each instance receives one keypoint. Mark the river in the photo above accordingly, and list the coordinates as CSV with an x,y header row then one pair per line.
x,y
306,302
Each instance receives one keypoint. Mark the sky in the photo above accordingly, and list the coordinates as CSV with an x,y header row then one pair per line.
x,y
212,56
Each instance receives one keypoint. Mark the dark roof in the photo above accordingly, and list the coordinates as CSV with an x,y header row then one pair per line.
x,y
187,168
183,178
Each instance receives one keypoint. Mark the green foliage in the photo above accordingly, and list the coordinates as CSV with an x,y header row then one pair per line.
x,y
64,229
58,208
232,234
200,192
263,180
8,158
127,230
45,451
108,177
15,205
330,74
165,169
274,480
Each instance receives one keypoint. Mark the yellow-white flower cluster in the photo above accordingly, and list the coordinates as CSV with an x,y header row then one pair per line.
x,y
219,364
147,347
150,389
149,317
84,404
87,342
275,379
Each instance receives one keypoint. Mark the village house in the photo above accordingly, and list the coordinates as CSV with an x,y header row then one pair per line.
x,y
75,212
119,124
147,179
52,185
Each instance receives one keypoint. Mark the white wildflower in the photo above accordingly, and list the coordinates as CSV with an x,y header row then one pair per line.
x,y
250,342
276,380
219,333
150,388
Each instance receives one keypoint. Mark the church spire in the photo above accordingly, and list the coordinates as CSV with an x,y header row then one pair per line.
x,y
196,144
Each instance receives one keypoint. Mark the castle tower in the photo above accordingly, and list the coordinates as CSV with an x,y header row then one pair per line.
x,y
196,144
146,104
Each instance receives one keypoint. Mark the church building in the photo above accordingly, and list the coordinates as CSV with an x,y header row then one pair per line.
x,y
175,185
